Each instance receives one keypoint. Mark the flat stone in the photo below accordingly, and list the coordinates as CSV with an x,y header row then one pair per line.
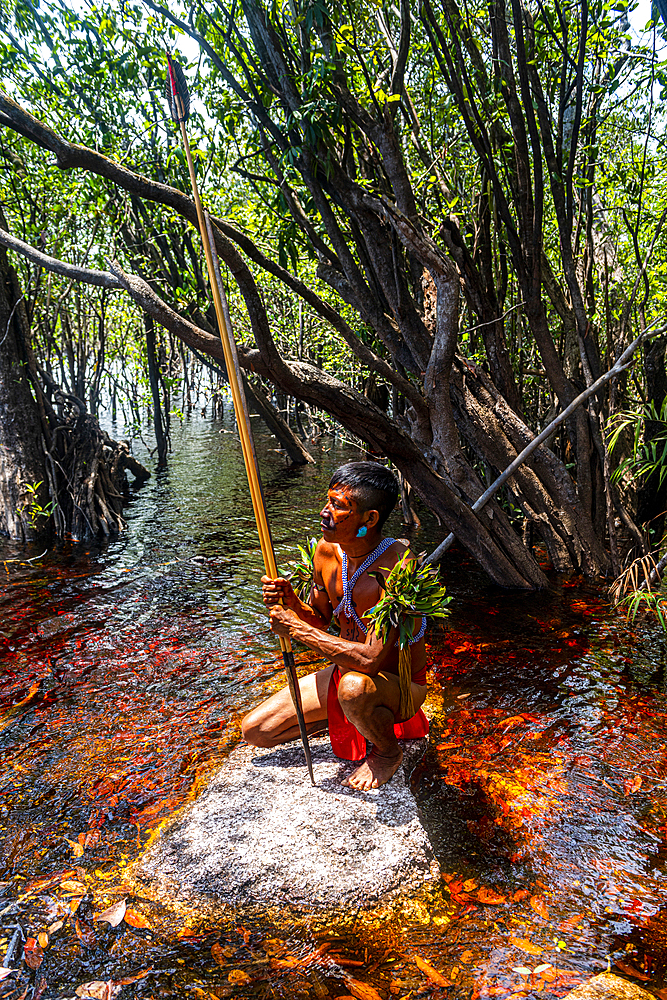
x,y
262,834
607,986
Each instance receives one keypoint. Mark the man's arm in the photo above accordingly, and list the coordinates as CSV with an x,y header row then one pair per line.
x,y
318,612
367,657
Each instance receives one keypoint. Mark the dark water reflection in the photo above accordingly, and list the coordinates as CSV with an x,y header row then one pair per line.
x,y
126,670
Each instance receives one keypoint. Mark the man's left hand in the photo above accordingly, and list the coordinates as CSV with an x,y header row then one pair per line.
x,y
281,620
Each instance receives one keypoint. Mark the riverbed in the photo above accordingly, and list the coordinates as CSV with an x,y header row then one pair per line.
x,y
126,670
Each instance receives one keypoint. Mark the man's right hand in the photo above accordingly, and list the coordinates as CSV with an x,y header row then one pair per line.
x,y
278,591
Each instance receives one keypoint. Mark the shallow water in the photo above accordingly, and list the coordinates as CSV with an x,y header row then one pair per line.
x,y
125,672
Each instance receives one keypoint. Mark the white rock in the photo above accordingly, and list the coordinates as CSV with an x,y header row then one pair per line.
x,y
261,834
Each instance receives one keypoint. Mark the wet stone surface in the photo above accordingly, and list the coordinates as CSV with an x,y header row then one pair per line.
x,y
260,833
607,986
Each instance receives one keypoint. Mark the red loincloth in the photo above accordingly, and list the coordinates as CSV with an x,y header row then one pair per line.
x,y
346,740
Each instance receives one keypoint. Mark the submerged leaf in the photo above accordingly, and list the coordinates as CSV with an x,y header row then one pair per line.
x,y
525,945
428,970
630,970
134,977
97,990
33,953
539,906
85,933
490,897
362,991
114,914
69,885
219,954
136,919
238,977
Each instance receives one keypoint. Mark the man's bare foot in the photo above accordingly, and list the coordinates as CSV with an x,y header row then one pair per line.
x,y
376,770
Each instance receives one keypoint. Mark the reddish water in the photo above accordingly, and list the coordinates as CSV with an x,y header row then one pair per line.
x,y
125,672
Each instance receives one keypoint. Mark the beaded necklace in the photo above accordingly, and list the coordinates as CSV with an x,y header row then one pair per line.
x,y
347,604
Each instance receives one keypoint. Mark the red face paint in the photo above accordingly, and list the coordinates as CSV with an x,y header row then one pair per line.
x,y
339,508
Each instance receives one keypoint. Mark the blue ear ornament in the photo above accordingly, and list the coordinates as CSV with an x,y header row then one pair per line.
x,y
362,531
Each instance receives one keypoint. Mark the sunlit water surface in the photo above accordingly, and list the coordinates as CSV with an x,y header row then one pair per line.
x,y
126,670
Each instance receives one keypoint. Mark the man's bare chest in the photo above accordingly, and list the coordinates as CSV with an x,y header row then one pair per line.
x,y
365,592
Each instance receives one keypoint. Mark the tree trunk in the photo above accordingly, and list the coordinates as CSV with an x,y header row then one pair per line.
x,y
21,453
153,376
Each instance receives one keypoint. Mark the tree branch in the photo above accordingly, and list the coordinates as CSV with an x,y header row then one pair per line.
x,y
620,366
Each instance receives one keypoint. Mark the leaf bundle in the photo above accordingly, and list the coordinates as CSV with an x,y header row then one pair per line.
x,y
301,574
410,592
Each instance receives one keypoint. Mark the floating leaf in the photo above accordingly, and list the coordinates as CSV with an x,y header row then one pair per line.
x,y
543,968
539,906
428,970
33,953
490,897
43,939
525,945
114,914
522,970
136,919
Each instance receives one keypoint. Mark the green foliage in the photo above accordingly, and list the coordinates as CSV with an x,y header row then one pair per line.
x,y
639,588
647,456
31,506
410,593
300,574
95,73
645,601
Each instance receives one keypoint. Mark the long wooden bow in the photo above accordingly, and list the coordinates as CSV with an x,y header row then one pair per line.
x,y
178,98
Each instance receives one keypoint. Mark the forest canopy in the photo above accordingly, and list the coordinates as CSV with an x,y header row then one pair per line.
x,y
440,223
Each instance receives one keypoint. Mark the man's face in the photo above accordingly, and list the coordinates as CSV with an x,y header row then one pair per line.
x,y
340,518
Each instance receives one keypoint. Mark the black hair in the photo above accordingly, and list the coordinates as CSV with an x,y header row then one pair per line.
x,y
374,487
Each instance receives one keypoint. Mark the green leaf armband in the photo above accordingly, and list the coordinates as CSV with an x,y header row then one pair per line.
x,y
410,592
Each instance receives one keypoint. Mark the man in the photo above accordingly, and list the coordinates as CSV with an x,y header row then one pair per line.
x,y
357,696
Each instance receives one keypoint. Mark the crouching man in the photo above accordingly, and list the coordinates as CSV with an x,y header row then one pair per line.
x,y
357,697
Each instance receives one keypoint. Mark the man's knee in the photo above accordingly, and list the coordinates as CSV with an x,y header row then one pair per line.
x,y
355,689
255,730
